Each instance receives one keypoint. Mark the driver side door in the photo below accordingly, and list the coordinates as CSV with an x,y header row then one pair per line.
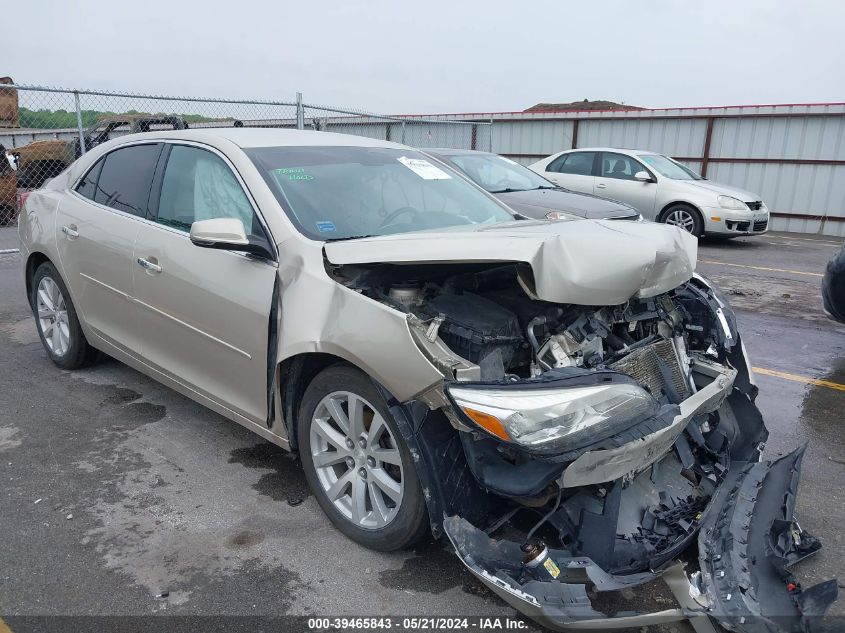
x,y
616,181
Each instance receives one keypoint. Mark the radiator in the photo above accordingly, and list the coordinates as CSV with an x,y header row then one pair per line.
x,y
643,365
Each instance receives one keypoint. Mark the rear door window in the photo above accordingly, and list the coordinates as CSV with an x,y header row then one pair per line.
x,y
126,178
578,163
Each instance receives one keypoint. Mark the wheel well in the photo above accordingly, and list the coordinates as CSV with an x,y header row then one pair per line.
x,y
296,373
679,203
32,264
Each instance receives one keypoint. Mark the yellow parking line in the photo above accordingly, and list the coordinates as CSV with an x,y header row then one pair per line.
x,y
4,628
772,270
796,378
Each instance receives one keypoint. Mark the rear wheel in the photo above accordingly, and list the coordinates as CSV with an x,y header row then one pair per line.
x,y
684,217
56,321
357,463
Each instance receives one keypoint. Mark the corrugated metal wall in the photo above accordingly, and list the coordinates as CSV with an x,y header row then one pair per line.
x,y
675,137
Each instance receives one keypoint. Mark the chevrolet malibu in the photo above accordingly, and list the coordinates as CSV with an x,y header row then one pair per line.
x,y
660,188
566,401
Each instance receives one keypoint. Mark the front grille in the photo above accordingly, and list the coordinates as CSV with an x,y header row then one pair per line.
x,y
643,365
760,225
755,206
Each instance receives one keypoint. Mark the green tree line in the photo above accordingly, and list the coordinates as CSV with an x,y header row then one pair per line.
x,y
55,119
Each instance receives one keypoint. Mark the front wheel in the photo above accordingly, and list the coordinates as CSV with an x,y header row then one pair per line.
x,y
357,463
684,217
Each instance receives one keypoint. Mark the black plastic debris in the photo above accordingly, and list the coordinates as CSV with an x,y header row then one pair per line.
x,y
833,287
748,545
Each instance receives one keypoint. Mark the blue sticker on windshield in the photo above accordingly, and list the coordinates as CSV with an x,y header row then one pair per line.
x,y
325,226
294,173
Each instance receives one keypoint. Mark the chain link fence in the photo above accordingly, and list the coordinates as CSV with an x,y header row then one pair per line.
x,y
43,130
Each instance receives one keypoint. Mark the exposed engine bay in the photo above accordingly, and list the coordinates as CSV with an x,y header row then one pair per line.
x,y
486,317
609,438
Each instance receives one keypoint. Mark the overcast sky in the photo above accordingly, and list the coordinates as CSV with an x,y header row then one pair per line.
x,y
434,56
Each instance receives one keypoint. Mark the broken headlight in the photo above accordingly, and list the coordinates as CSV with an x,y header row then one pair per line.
x,y
555,420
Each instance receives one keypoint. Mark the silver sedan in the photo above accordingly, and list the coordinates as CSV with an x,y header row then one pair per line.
x,y
660,188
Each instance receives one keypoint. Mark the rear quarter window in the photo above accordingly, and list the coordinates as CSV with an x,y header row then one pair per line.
x,y
88,185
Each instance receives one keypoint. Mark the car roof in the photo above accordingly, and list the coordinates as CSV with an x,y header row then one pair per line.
x,y
619,150
448,151
245,137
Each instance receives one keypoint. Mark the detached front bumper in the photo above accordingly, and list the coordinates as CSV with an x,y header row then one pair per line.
x,y
747,543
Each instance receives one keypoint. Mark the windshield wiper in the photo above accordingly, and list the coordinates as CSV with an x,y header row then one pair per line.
x,y
351,237
507,190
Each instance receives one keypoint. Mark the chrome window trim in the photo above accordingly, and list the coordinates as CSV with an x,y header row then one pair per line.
x,y
161,141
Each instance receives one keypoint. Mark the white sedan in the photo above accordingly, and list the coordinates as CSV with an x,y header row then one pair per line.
x,y
660,188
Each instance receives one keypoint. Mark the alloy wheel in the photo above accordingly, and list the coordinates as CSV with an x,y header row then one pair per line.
x,y
53,317
357,460
682,218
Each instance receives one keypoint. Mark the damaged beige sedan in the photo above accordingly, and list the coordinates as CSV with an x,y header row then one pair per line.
x,y
566,401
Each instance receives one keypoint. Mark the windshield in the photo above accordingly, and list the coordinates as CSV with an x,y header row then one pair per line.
x,y
665,166
335,193
498,174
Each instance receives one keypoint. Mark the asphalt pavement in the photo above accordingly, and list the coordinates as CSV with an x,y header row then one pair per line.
x,y
122,497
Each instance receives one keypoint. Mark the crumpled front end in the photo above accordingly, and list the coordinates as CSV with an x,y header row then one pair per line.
x,y
748,540
586,450
624,511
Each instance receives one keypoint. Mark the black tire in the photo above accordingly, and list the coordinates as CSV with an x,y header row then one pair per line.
x,y
684,210
410,522
79,353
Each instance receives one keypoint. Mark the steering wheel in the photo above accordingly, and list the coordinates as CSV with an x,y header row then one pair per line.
x,y
395,214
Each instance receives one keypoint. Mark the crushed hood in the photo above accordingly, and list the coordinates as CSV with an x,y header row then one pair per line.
x,y
581,261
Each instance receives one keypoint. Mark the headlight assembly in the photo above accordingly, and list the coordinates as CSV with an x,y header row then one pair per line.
x,y
728,202
554,420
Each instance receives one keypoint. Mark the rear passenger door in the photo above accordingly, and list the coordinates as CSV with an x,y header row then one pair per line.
x,y
95,234
573,170
204,314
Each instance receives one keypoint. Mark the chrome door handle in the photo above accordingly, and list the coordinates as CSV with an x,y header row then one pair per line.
x,y
70,231
148,265
601,185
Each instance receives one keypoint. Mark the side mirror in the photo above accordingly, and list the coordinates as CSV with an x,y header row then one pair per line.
x,y
643,176
226,234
